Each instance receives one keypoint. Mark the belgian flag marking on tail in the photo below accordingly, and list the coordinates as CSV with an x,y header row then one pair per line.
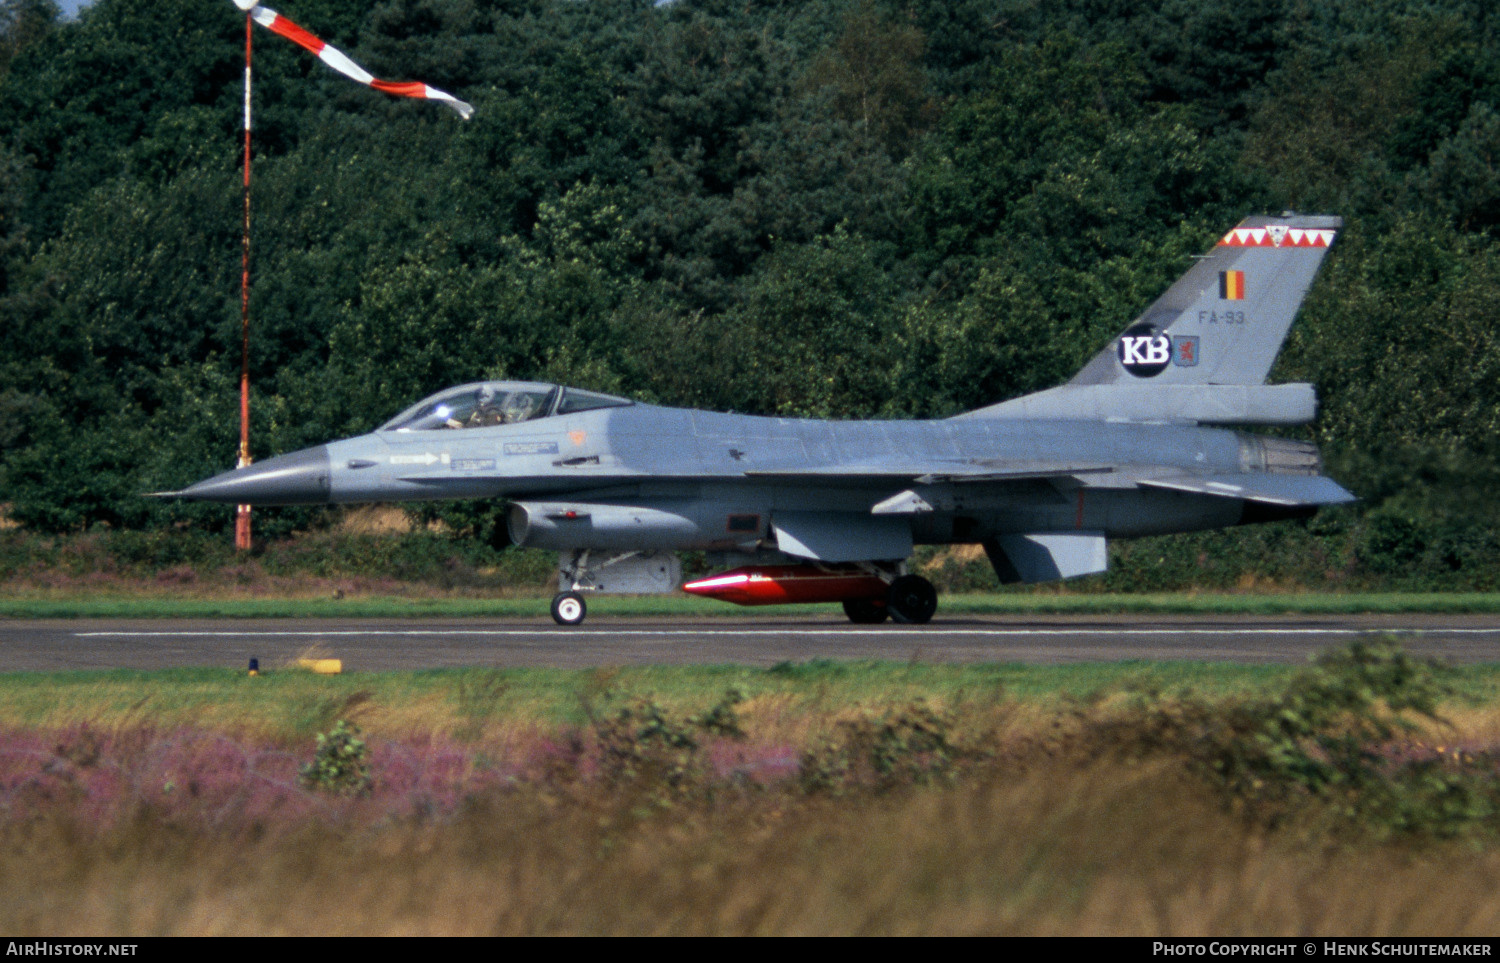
x,y
1232,285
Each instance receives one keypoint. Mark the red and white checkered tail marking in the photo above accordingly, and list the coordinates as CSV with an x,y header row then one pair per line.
x,y
336,59
1277,235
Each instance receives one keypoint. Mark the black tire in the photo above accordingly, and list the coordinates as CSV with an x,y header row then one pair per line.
x,y
911,600
568,608
866,611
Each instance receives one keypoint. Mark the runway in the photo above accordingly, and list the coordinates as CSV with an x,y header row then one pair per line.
x,y
383,645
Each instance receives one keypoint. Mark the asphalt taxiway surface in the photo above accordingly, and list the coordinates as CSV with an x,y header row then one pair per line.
x,y
378,645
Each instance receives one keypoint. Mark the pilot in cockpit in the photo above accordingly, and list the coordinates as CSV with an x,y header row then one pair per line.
x,y
486,411
520,407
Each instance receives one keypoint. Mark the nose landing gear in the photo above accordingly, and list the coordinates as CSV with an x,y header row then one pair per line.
x,y
568,608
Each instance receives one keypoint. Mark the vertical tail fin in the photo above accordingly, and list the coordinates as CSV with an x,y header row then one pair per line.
x,y
1201,353
1224,321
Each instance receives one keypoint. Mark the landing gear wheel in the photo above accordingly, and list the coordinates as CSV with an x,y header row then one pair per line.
x,y
866,611
568,608
912,600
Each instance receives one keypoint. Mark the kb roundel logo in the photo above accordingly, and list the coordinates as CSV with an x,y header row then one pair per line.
x,y
1143,352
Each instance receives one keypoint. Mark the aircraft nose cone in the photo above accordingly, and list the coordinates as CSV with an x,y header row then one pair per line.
x,y
297,478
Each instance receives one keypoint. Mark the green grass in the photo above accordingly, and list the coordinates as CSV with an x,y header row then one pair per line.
x,y
94,605
291,704
294,703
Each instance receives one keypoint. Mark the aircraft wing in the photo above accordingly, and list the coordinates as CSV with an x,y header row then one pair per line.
x,y
1290,490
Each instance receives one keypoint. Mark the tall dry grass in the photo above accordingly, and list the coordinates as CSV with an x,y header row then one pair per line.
x,y
1100,849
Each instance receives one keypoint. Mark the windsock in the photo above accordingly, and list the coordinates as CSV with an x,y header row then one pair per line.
x,y
336,59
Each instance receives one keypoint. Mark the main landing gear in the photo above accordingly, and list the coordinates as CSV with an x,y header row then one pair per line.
x,y
866,611
910,600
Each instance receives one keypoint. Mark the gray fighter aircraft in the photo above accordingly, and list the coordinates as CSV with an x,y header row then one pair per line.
x,y
812,510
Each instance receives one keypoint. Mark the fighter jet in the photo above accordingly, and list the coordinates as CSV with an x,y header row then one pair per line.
x,y
805,510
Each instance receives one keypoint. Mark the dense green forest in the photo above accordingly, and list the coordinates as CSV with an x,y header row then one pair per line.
x,y
846,208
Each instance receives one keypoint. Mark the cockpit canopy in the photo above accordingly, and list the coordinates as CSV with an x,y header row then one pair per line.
x,y
488,403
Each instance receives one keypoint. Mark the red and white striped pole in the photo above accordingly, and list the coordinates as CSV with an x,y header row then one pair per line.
x,y
242,515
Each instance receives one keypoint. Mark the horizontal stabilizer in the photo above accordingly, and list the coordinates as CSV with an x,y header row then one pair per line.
x,y
1288,490
1046,556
